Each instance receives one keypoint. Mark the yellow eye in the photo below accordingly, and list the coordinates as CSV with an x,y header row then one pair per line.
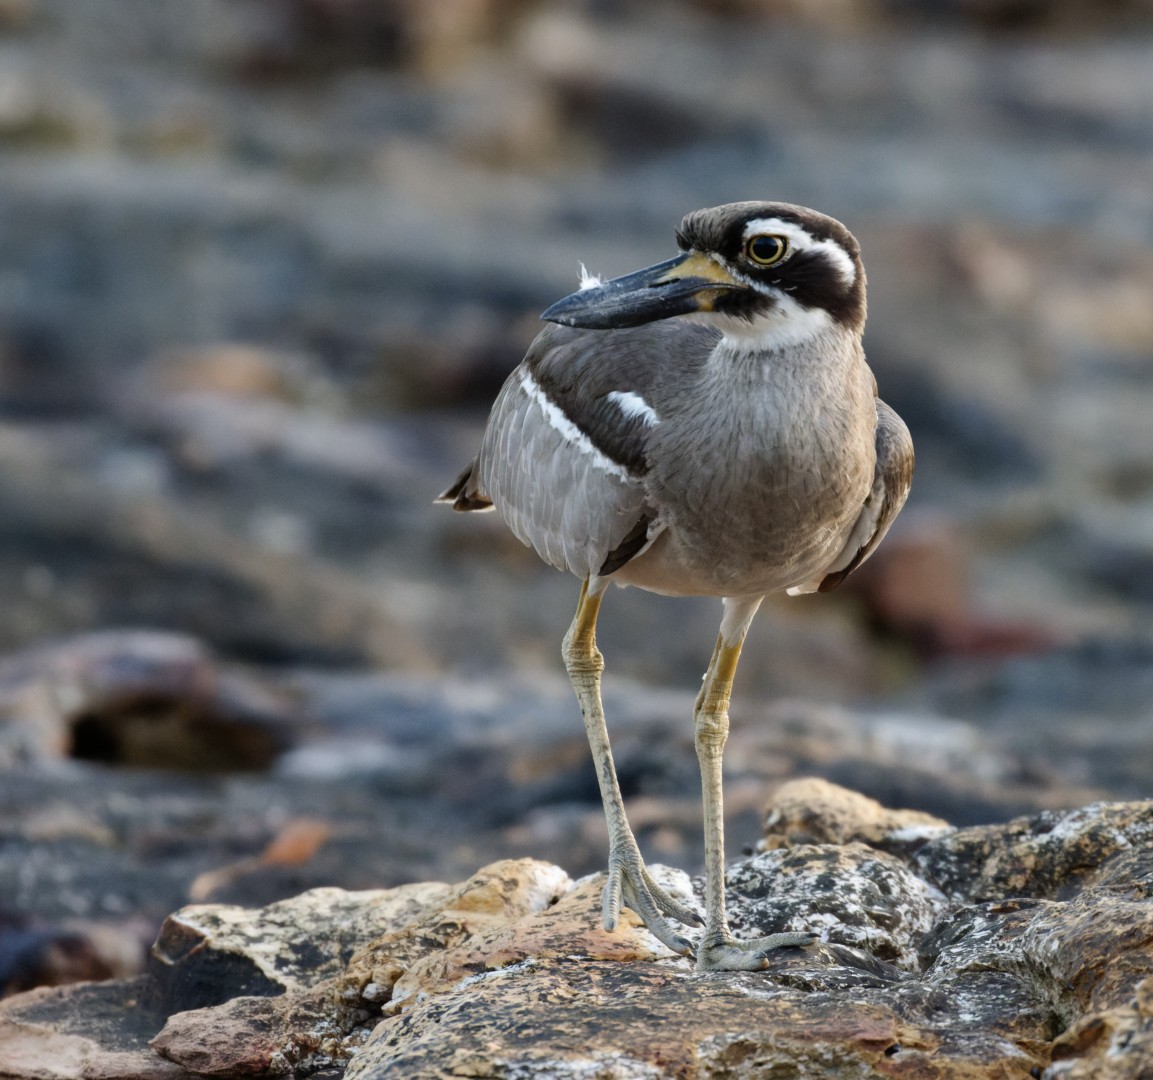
x,y
765,250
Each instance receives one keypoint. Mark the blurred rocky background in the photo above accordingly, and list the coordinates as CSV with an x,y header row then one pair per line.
x,y
264,264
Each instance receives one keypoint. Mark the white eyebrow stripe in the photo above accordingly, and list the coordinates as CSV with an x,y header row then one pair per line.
x,y
800,239
633,406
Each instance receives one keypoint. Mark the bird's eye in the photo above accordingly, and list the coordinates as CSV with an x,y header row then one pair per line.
x,y
766,250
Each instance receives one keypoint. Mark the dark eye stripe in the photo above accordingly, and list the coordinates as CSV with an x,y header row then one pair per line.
x,y
766,249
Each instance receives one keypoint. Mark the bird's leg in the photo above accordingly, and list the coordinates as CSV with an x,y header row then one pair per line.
x,y
628,878
718,950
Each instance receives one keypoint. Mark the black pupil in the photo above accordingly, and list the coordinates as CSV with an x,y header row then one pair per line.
x,y
766,248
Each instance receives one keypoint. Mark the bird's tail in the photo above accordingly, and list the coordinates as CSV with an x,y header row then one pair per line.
x,y
464,494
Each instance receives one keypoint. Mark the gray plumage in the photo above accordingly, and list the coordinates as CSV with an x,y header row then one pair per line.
x,y
744,456
758,475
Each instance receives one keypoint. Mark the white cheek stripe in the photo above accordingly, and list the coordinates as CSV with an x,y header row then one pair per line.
x,y
568,430
786,326
633,406
801,240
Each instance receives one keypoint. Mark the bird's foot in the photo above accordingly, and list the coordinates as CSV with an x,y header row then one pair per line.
x,y
724,953
629,882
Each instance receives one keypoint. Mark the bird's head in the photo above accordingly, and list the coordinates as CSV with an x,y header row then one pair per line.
x,y
766,274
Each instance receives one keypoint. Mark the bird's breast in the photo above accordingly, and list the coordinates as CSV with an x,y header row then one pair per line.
x,y
758,480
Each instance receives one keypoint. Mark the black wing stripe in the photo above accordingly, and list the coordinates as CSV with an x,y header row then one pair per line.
x,y
619,437
579,370
636,539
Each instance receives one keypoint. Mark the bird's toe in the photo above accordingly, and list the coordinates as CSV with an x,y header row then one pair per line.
x,y
726,954
669,905
629,883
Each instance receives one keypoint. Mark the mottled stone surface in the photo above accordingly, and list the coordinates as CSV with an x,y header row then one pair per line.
x,y
256,1036
496,897
206,953
569,1019
814,811
984,953
86,1031
851,894
566,929
1048,855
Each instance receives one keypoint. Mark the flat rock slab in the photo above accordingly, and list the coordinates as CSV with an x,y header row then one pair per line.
x,y
1015,950
208,953
581,1019
88,1031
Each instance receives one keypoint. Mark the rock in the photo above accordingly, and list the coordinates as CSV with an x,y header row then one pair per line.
x,y
1041,856
634,1021
87,1031
253,1036
102,529
494,897
204,952
139,698
45,954
977,1007
1111,1044
569,927
296,844
966,771
851,894
812,811
985,952
918,589
232,370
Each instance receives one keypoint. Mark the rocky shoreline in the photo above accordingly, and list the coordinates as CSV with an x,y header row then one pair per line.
x,y
995,951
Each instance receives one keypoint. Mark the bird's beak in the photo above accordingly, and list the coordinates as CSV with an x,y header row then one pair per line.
x,y
690,282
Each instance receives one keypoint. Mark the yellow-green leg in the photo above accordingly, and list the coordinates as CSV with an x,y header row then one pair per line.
x,y
718,950
628,879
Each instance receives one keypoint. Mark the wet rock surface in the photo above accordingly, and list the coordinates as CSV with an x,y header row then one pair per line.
x,y
1011,951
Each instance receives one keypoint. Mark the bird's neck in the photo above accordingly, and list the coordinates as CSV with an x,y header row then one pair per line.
x,y
786,327
778,393
833,351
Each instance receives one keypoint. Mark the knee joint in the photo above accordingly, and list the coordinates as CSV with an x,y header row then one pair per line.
x,y
712,727
582,659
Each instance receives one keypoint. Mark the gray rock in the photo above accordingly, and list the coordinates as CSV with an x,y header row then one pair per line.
x,y
204,953
144,699
510,973
851,895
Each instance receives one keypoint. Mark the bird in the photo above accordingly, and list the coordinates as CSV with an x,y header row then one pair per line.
x,y
707,426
